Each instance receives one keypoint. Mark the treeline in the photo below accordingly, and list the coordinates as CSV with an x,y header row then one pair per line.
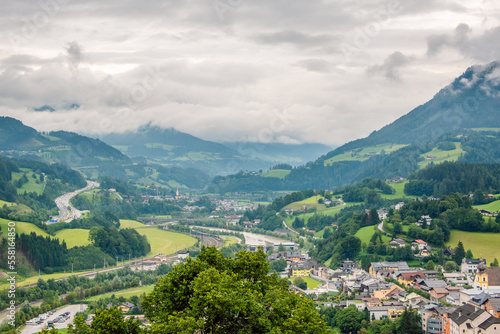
x,y
450,212
124,242
50,255
366,191
454,177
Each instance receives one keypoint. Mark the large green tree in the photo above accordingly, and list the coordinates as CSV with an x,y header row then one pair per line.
x,y
215,294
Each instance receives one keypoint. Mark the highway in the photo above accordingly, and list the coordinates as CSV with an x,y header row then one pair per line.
x,y
67,212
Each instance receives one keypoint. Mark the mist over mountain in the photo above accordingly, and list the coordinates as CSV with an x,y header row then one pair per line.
x,y
460,123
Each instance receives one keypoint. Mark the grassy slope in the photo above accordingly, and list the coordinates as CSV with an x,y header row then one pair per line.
x,y
493,206
441,155
17,208
483,245
125,223
127,293
74,237
365,234
399,187
165,242
31,186
278,173
363,154
311,282
22,227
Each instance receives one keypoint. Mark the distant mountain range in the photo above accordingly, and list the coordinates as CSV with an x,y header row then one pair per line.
x,y
461,122
174,148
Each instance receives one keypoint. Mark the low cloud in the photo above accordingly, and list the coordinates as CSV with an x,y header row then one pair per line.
x,y
481,47
391,67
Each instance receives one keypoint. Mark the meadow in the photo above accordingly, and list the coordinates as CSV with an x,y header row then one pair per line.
x,y
441,155
482,245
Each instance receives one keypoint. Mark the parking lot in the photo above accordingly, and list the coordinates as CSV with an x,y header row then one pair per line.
x,y
72,309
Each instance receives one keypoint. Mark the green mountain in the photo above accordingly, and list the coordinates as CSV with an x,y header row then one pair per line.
x,y
461,123
170,147
20,141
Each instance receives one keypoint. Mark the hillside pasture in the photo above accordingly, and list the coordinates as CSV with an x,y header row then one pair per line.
x,y
366,233
365,153
22,227
31,185
399,187
492,207
74,237
277,173
441,155
165,242
482,245
127,223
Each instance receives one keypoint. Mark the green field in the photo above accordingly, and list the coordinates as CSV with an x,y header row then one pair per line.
x,y
164,241
365,234
441,155
16,208
74,237
482,245
309,203
31,186
364,154
399,187
278,173
22,227
311,282
127,293
126,223
492,207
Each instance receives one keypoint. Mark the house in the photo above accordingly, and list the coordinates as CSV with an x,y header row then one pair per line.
x,y
424,221
376,266
448,251
293,256
387,293
396,243
487,277
472,319
424,252
428,284
492,306
407,278
384,312
418,244
125,307
434,319
399,205
412,300
469,266
299,270
348,266
437,294
183,254
160,258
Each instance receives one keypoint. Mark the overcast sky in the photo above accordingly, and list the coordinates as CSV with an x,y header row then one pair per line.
x,y
258,70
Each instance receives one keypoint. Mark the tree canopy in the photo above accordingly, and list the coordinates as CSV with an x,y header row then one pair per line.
x,y
217,294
